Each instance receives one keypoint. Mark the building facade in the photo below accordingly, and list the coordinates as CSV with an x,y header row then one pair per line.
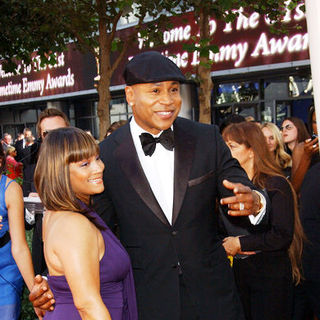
x,y
256,74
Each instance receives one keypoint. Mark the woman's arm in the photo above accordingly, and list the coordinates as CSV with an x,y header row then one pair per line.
x,y
280,234
19,246
78,249
301,159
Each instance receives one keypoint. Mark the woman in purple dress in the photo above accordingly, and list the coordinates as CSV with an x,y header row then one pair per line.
x,y
89,271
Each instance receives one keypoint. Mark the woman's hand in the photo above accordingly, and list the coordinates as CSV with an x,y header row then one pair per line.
x,y
231,245
311,147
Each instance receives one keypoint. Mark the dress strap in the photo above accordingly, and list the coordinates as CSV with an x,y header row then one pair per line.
x,y
3,179
8,184
2,192
3,188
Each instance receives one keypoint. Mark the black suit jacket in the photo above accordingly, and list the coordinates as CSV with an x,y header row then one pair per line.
x,y
19,149
159,251
310,219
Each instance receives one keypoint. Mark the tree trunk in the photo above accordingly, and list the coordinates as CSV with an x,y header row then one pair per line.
x,y
103,104
205,89
204,71
105,72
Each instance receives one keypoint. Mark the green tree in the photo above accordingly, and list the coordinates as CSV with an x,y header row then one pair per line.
x,y
47,26
26,26
227,11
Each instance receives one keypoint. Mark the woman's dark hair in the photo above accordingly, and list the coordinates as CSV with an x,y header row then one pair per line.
x,y
301,128
310,114
250,134
231,118
114,126
2,159
52,175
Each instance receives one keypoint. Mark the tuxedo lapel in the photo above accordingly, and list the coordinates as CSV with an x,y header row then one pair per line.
x,y
129,162
184,152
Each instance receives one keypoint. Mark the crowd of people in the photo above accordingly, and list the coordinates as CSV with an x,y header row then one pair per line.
x,y
165,218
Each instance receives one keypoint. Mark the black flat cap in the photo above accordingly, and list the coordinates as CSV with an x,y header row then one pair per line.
x,y
151,66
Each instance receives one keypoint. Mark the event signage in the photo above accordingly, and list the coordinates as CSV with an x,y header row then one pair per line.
x,y
73,71
246,42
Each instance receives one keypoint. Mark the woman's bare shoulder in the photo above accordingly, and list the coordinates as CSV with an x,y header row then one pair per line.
x,y
13,193
13,186
67,224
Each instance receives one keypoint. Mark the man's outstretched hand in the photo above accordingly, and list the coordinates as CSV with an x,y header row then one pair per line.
x,y
244,202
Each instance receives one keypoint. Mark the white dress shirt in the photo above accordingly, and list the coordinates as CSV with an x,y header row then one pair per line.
x,y
159,170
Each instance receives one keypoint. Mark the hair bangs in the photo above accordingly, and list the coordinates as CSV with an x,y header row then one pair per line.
x,y
81,147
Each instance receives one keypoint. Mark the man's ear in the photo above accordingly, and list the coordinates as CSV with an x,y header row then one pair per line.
x,y
129,95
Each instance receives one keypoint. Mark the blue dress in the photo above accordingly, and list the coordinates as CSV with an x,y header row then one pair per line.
x,y
116,283
11,281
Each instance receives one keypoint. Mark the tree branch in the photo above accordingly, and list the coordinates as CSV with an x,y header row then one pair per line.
x,y
126,44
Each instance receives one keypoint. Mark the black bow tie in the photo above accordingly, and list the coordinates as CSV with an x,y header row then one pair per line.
x,y
148,142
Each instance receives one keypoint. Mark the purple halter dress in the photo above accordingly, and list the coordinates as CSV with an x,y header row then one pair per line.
x,y
116,284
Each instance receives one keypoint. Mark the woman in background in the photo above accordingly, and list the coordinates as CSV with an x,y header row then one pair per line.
x,y
15,257
276,147
293,131
114,126
89,271
264,278
13,167
306,153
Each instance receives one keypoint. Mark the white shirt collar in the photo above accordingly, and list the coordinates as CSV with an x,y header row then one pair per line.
x,y
136,130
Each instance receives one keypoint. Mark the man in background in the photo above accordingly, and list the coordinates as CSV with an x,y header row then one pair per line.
x,y
48,120
6,141
22,144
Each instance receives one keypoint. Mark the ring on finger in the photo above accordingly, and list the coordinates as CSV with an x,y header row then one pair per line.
x,y
241,206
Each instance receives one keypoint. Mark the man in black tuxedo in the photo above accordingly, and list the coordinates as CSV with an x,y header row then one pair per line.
x,y
164,199
20,145
25,155
163,195
310,219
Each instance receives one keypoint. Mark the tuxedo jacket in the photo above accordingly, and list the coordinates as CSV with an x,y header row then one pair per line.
x,y
190,247
19,149
310,219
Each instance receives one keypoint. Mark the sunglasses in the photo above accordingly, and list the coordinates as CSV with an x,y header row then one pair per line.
x,y
287,127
